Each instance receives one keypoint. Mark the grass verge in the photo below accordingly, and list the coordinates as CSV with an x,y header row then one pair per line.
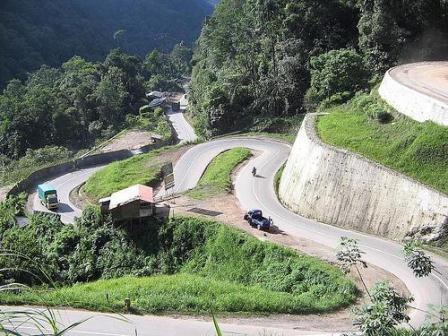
x,y
199,266
289,137
142,169
277,178
217,178
12,171
419,150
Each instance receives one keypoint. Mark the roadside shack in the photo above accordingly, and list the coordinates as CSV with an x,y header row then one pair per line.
x,y
134,202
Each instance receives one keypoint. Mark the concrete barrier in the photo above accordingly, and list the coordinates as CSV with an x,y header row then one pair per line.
x,y
413,103
48,173
338,187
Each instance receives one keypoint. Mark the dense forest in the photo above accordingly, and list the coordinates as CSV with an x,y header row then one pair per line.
x,y
81,101
261,59
49,32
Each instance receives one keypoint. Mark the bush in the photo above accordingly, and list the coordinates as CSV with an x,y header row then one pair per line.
x,y
150,120
34,159
338,73
95,248
336,99
378,112
218,267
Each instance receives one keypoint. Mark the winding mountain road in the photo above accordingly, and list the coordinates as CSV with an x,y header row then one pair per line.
x,y
258,192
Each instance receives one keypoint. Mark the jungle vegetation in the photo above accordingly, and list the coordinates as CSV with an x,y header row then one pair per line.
x,y
255,58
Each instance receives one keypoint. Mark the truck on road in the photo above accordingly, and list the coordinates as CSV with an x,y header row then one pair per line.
x,y
48,196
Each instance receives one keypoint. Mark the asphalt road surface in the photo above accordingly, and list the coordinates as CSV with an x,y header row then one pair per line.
x,y
64,185
429,78
99,324
184,131
258,192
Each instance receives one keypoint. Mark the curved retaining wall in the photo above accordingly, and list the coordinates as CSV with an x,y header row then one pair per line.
x,y
88,161
413,103
341,188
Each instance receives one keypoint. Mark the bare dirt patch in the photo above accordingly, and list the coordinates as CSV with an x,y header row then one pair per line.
x,y
129,140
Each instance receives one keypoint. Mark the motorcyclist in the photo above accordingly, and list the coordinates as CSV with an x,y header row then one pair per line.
x,y
254,171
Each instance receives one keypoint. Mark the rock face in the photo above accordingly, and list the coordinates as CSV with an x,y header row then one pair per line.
x,y
341,188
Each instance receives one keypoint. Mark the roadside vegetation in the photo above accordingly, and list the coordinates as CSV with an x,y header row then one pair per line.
x,y
153,120
141,169
278,177
365,126
12,171
386,311
255,59
282,128
58,112
217,178
182,264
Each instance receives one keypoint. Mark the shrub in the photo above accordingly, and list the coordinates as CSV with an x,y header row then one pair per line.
x,y
13,171
378,112
94,248
336,73
218,267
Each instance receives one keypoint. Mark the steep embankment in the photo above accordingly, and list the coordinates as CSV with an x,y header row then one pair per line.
x,y
339,187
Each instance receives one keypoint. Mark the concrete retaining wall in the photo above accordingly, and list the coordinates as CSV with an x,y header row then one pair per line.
x,y
341,188
48,173
412,103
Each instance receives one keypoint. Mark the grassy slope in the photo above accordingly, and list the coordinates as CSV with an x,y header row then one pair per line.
x,y
277,178
219,269
142,169
419,150
217,177
287,136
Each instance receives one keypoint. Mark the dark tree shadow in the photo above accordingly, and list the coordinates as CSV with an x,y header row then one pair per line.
x,y
64,208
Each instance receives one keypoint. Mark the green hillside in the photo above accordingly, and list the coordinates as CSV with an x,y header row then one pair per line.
x,y
49,32
418,150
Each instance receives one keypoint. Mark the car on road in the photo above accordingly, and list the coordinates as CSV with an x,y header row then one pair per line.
x,y
255,218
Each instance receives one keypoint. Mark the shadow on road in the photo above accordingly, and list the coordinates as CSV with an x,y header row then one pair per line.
x,y
64,208
276,230
259,176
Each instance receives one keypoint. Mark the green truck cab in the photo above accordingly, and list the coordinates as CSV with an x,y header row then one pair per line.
x,y
48,196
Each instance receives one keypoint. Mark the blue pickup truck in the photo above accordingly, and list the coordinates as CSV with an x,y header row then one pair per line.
x,y
255,218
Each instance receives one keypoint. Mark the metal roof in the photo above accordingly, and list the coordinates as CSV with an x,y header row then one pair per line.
x,y
131,194
156,102
156,94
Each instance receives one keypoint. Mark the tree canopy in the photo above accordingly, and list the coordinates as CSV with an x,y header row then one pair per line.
x,y
254,57
81,101
49,32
